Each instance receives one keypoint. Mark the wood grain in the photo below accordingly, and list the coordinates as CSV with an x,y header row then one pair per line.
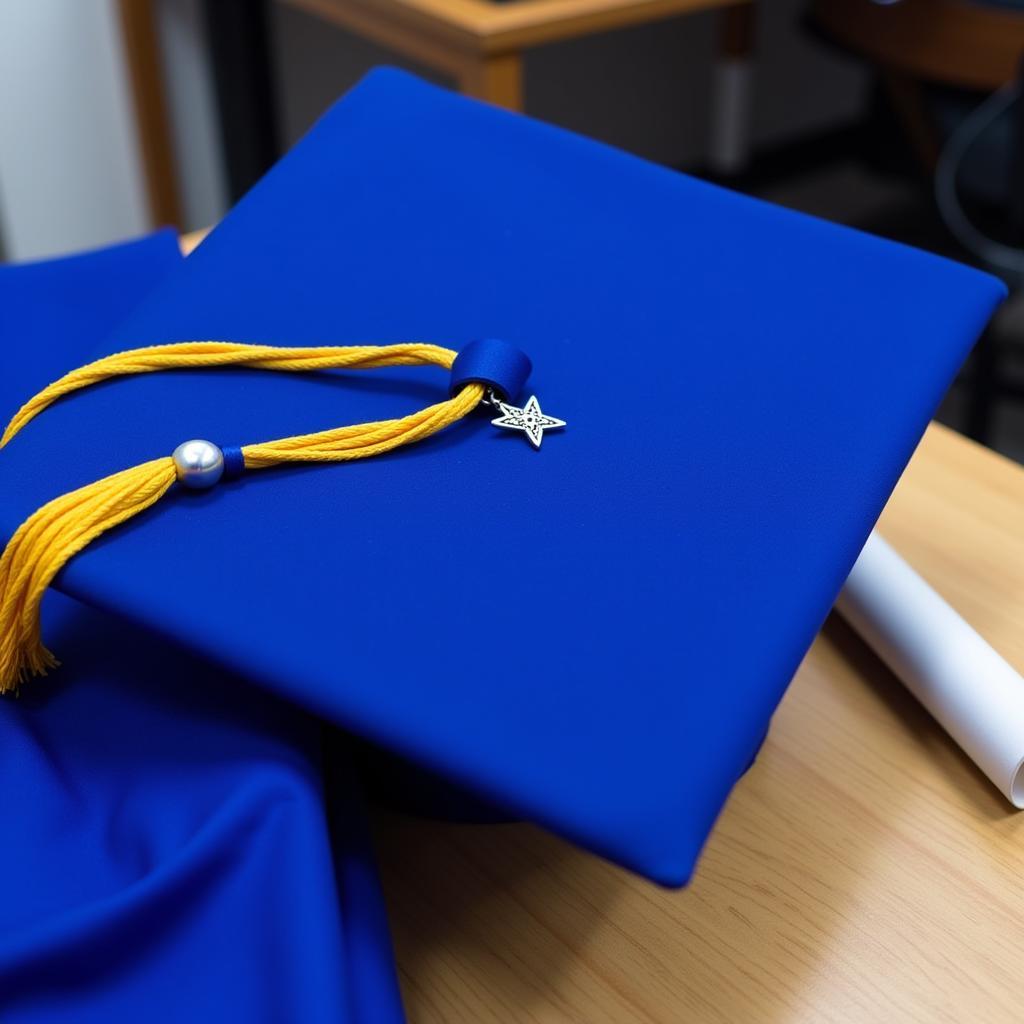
x,y
864,869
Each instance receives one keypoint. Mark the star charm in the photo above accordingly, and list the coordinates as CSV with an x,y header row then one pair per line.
x,y
530,420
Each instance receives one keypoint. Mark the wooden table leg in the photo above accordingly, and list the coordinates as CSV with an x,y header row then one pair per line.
x,y
142,53
498,79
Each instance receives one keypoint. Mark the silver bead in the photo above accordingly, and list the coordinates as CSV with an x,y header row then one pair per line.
x,y
199,464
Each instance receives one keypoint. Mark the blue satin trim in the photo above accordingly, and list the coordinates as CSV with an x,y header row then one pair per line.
x,y
493,362
234,461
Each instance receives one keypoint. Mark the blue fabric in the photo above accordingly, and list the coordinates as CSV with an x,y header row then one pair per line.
x,y
165,853
594,635
493,362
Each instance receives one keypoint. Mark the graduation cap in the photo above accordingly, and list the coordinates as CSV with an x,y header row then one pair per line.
x,y
156,805
592,633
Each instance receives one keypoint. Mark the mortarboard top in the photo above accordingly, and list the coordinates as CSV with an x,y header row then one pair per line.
x,y
593,635
166,851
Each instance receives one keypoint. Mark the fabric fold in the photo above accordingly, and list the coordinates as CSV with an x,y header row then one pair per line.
x,y
166,853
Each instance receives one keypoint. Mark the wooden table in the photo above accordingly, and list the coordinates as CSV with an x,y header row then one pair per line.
x,y
480,43
863,871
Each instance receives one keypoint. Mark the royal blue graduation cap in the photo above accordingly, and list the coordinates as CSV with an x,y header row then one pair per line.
x,y
167,854
592,633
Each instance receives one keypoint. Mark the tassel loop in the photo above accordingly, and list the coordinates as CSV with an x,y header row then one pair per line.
x,y
61,528
205,355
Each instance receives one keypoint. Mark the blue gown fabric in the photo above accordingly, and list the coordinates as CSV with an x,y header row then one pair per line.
x,y
166,854
593,635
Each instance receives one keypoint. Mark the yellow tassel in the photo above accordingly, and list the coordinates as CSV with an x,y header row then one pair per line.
x,y
45,542
60,529
199,355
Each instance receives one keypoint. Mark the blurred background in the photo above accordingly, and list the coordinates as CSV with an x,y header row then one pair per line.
x,y
900,117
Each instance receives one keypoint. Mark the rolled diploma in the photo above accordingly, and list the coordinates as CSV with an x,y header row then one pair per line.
x,y
973,692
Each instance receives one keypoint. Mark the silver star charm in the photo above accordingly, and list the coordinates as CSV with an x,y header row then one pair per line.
x,y
530,420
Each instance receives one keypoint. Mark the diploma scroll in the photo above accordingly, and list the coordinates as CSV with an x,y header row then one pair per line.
x,y
975,694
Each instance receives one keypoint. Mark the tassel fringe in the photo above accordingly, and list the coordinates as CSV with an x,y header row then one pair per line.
x,y
45,542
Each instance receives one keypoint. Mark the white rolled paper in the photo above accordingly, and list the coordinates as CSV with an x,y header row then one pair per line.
x,y
974,693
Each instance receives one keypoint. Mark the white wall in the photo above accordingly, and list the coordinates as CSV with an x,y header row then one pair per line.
x,y
70,174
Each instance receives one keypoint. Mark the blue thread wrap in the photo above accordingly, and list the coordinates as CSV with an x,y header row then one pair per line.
x,y
234,462
493,362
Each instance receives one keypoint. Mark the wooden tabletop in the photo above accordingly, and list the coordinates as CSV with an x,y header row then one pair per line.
x,y
495,25
480,43
863,871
